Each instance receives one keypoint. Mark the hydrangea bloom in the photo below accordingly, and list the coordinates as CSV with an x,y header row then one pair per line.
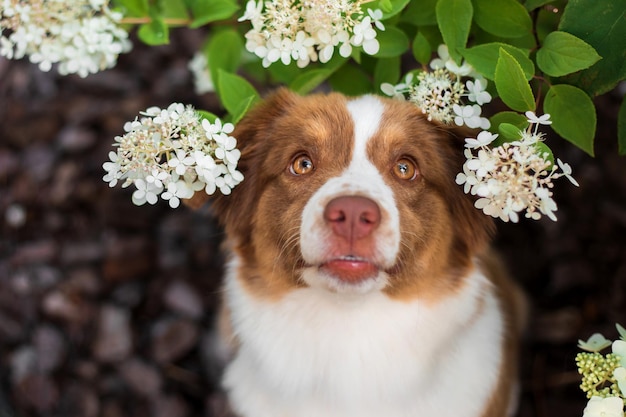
x,y
305,31
82,36
512,177
604,407
442,95
173,153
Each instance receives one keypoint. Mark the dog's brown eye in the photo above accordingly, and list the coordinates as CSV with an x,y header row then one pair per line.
x,y
405,169
301,165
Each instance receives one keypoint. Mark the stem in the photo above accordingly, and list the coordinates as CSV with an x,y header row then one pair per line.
x,y
143,20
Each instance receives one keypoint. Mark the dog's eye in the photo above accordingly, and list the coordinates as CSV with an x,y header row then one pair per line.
x,y
301,165
405,169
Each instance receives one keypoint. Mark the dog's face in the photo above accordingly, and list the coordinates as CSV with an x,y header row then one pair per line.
x,y
350,196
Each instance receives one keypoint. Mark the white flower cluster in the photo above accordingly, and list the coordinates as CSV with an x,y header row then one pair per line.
x,y
603,376
305,30
199,67
514,176
440,93
82,36
173,153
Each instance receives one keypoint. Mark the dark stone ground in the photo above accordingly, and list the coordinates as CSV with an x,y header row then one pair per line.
x,y
105,307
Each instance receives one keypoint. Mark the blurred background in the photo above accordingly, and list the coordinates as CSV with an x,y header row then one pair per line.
x,y
106,309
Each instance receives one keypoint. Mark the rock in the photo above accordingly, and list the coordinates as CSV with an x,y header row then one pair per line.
x,y
76,138
181,298
142,377
80,400
172,339
23,362
76,252
50,347
64,306
113,341
169,406
39,392
42,251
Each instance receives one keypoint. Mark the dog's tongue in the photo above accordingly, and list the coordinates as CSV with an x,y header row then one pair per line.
x,y
350,270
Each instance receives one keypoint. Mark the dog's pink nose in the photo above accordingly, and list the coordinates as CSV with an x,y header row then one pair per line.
x,y
352,217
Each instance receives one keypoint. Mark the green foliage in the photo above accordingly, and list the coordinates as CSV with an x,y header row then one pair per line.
x,y
454,18
503,18
563,53
602,24
511,83
573,115
532,56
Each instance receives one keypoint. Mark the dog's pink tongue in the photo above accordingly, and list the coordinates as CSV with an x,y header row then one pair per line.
x,y
351,271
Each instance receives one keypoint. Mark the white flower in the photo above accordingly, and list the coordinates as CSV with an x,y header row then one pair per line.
x,y
619,348
620,377
397,91
446,61
542,120
566,170
81,36
546,204
284,30
174,149
604,407
146,192
477,92
484,138
470,116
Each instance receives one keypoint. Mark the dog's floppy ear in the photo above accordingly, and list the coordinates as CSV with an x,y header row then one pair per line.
x,y
473,228
234,210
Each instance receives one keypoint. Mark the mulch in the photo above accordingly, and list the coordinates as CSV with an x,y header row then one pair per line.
x,y
106,309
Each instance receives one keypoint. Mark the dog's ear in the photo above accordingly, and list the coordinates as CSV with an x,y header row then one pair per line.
x,y
234,211
473,229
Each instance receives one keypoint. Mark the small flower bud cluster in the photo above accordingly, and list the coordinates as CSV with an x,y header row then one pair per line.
x,y
603,376
441,93
308,30
514,176
82,36
172,153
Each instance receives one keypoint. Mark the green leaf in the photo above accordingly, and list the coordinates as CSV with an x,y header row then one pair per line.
x,y
207,115
351,81
511,83
393,42
545,152
156,32
454,18
395,7
573,115
621,128
206,11
534,4
602,24
307,81
508,117
485,57
387,70
509,132
132,8
243,108
385,5
174,9
235,92
504,18
420,13
563,53
621,331
224,52
422,50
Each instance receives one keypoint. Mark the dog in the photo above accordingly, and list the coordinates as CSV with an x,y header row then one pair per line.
x,y
360,281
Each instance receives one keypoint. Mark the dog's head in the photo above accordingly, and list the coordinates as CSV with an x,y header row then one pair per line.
x,y
350,195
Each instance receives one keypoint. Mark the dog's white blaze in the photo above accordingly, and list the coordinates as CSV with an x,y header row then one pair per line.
x,y
319,354
361,178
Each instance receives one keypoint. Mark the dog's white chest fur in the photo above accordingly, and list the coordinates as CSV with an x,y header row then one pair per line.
x,y
318,354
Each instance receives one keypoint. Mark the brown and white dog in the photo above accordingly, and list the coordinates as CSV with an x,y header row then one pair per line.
x,y
359,282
